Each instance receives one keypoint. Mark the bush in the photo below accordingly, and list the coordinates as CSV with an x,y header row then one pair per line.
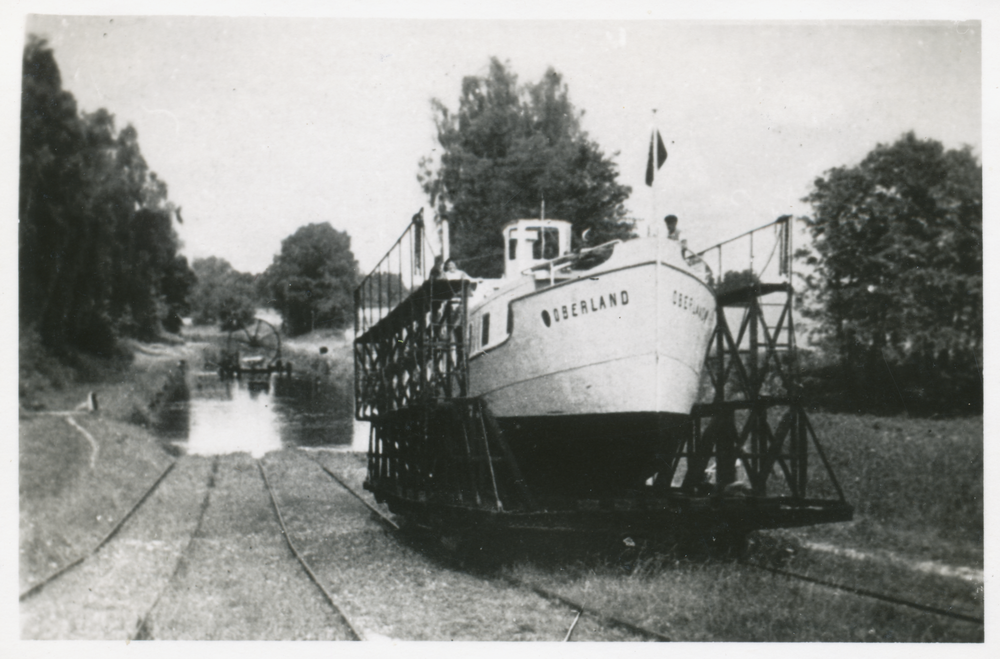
x,y
880,387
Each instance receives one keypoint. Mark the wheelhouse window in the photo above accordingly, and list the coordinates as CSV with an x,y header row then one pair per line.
x,y
550,243
547,245
486,330
512,249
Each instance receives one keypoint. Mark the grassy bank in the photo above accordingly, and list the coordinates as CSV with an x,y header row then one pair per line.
x,y
80,472
729,601
916,485
72,492
131,386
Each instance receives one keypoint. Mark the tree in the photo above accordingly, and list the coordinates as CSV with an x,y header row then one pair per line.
x,y
897,279
507,149
178,284
312,280
222,294
96,247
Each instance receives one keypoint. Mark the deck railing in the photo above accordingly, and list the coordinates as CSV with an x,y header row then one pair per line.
x,y
766,252
404,268
410,340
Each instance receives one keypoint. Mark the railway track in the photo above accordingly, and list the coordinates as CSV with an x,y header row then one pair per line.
x,y
864,592
576,608
639,630
142,628
340,604
353,629
37,588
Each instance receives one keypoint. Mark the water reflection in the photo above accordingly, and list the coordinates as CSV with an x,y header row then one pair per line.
x,y
231,416
313,413
360,433
246,422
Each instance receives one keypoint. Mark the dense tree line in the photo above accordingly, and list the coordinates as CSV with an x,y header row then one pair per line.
x,y
222,295
311,281
97,251
896,277
505,150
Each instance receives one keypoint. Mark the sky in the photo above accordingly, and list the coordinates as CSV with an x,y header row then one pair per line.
x,y
261,125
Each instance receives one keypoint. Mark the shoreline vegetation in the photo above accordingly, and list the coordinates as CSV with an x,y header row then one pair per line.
x,y
916,485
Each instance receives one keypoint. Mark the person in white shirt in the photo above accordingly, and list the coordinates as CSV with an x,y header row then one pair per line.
x,y
452,272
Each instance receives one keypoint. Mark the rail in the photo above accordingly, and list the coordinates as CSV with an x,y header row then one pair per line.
x,y
405,267
763,254
354,631
557,266
602,617
36,588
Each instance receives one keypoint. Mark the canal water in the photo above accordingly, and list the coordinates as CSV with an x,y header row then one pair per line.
x,y
258,417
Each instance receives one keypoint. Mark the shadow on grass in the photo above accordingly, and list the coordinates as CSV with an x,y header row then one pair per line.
x,y
489,553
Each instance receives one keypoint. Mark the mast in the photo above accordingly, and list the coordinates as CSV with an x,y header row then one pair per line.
x,y
651,224
657,231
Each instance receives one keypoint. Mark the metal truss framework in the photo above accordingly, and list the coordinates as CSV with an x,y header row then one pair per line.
x,y
416,354
756,419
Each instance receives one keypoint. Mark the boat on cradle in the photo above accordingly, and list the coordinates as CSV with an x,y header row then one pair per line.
x,y
590,360
565,394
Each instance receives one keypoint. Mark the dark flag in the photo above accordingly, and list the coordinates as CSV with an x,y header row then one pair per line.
x,y
655,144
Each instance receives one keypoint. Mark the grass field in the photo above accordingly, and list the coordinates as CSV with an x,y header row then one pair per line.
x,y
730,601
76,480
917,488
71,492
916,485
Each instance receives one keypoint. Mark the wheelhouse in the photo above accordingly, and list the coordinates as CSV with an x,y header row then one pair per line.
x,y
529,243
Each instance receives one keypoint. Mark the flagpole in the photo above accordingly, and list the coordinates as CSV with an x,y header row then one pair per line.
x,y
657,157
651,226
657,231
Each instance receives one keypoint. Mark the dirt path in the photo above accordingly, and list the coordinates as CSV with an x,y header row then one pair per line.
x,y
969,574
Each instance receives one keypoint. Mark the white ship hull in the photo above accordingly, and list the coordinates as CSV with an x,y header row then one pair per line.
x,y
626,337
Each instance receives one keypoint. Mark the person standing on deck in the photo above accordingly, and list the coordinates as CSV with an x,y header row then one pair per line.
x,y
672,232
